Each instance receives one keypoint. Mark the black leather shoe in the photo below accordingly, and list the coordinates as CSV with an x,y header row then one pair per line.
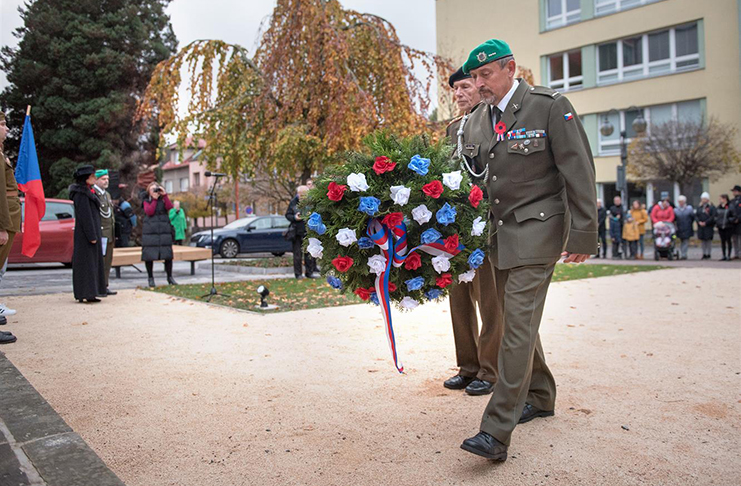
x,y
458,382
480,387
171,281
3,320
530,412
151,282
110,292
485,445
7,338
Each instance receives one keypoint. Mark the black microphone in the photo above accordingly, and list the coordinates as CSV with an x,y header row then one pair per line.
x,y
208,173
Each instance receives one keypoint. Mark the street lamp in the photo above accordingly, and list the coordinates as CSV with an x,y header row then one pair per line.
x,y
607,129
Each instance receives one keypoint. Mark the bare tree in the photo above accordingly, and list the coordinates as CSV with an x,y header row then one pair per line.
x,y
685,151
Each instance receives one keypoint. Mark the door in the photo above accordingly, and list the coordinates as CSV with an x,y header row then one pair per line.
x,y
255,236
278,244
57,229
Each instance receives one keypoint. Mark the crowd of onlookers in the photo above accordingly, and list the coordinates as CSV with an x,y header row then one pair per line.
x,y
628,229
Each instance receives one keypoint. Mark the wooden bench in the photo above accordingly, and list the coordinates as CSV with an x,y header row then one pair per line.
x,y
132,255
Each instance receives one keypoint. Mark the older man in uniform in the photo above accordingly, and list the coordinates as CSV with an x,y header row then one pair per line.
x,y
10,213
476,352
107,222
541,185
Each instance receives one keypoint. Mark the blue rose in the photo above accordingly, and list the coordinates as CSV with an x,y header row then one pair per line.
x,y
430,236
419,165
374,298
415,283
369,205
446,214
315,223
476,258
433,294
365,243
335,282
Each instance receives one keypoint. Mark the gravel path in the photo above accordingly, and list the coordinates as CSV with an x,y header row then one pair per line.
x,y
169,392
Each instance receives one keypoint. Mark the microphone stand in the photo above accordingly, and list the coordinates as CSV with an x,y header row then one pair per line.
x,y
212,199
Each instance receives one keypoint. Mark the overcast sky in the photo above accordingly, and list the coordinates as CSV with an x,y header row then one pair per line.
x,y
238,21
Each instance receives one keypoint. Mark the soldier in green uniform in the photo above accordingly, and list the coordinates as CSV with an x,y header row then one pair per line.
x,y
476,352
541,186
107,222
10,213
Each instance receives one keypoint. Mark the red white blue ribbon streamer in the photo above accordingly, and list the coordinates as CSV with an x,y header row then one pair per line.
x,y
393,244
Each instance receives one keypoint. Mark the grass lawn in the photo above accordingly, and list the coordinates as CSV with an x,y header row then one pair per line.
x,y
291,294
277,262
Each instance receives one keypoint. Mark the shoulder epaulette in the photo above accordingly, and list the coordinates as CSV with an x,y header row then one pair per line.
x,y
545,91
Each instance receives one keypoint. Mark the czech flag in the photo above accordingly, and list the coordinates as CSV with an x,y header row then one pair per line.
x,y
28,176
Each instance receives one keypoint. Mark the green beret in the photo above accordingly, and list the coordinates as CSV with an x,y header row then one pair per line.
x,y
457,76
487,52
101,172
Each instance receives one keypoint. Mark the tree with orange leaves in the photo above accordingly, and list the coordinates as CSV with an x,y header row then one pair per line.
x,y
322,78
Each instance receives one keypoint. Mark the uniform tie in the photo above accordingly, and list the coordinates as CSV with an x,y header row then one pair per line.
x,y
496,115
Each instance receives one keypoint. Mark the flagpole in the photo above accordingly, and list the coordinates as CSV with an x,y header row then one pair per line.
x,y
28,110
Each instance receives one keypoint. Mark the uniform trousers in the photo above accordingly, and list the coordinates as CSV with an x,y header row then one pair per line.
x,y
524,376
108,257
477,352
5,249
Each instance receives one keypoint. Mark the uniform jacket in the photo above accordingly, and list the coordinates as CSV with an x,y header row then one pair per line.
x,y
107,218
10,206
683,218
542,190
705,213
641,217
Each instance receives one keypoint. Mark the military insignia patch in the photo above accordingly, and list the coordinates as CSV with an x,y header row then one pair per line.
x,y
481,56
568,116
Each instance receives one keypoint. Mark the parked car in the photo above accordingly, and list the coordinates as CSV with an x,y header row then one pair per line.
x,y
256,234
57,229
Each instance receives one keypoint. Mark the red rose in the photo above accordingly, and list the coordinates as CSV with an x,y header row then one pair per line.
x,y
383,164
413,261
451,243
342,264
475,196
434,189
336,191
444,280
393,219
392,287
364,293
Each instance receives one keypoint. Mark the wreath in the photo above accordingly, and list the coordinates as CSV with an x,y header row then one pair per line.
x,y
399,222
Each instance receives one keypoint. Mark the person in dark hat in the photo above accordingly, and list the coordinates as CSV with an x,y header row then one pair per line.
x,y
476,351
735,210
88,279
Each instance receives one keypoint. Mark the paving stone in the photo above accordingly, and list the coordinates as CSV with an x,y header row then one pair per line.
x,y
10,468
66,460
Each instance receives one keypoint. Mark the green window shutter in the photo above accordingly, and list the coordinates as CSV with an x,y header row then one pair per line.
x,y
591,126
589,66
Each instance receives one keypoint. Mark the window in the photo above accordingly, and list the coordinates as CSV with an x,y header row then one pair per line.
x,y
58,211
168,187
261,224
667,51
561,12
280,222
654,115
606,7
564,71
196,179
183,184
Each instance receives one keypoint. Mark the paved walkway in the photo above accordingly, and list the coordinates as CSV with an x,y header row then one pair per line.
x,y
37,448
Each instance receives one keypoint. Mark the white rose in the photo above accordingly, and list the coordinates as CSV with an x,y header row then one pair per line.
x,y
441,264
409,303
421,214
478,227
453,179
315,248
357,182
377,264
400,194
467,277
346,237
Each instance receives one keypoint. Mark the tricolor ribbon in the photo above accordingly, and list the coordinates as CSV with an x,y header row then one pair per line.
x,y
500,128
395,249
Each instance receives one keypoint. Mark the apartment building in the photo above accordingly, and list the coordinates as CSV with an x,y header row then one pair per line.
x,y
671,59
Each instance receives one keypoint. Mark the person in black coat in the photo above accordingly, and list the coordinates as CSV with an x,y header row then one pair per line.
x,y
297,231
616,227
157,233
602,228
705,216
88,278
724,221
735,207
